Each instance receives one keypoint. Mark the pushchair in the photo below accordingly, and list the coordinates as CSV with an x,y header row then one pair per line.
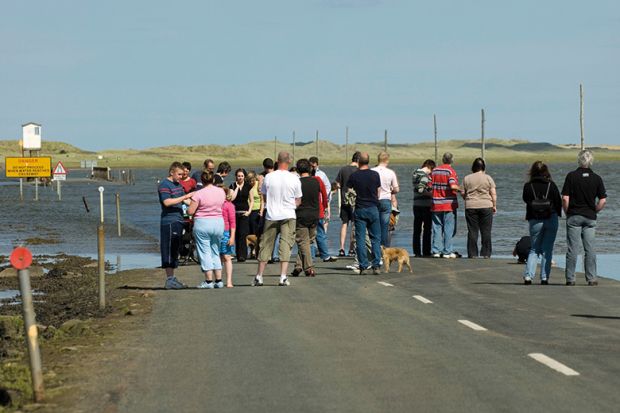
x,y
187,251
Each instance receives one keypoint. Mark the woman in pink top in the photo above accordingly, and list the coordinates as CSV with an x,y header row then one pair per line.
x,y
227,244
206,207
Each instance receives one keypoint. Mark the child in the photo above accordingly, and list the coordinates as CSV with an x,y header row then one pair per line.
x,y
227,245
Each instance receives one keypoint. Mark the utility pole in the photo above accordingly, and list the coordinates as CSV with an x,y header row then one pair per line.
x,y
435,124
346,145
317,143
482,145
385,141
293,160
581,115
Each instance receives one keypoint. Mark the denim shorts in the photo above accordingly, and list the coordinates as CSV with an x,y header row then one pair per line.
x,y
226,249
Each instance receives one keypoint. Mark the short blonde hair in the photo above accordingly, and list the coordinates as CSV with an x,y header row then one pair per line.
x,y
383,157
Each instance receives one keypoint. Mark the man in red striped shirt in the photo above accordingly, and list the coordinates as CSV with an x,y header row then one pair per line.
x,y
445,187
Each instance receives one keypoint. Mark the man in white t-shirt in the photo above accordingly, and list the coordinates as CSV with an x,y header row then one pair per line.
x,y
282,194
387,194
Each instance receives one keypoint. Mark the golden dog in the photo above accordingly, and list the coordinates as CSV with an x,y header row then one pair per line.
x,y
252,242
395,254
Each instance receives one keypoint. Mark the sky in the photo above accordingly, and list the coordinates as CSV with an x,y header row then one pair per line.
x,y
139,74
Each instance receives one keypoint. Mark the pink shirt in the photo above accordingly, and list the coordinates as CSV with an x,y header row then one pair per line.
x,y
210,200
228,213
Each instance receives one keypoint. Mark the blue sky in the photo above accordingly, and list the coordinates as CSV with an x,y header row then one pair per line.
x,y
136,74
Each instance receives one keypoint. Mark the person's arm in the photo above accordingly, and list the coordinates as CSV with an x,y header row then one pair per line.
x,y
601,204
173,201
395,186
250,203
297,202
565,202
494,199
233,226
193,206
234,192
601,195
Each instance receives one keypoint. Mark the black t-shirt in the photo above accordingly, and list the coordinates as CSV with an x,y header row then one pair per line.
x,y
343,177
365,182
583,187
241,202
308,211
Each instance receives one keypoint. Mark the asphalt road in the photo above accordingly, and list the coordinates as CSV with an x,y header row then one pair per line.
x,y
341,342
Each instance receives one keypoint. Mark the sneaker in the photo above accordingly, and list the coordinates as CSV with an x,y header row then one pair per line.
x,y
257,282
544,282
451,255
592,283
206,285
330,259
527,281
376,270
219,284
341,253
296,272
276,259
173,284
570,283
351,253
284,282
310,272
437,255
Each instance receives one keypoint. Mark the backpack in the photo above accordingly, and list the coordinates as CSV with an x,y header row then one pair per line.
x,y
541,207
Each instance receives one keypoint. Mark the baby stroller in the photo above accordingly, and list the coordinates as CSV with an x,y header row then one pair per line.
x,y
187,251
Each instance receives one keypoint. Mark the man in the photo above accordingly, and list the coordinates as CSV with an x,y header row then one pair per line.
x,y
268,166
389,189
367,186
223,169
207,165
583,196
321,230
171,197
346,211
188,183
443,209
282,193
312,190
422,202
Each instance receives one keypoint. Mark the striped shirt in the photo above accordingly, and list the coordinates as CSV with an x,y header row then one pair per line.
x,y
444,198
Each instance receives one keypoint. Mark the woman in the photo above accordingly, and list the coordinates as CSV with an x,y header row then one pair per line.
x,y
257,203
227,244
243,206
544,207
422,201
480,204
206,207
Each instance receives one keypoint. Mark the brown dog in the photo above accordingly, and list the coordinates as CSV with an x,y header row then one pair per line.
x,y
395,254
252,242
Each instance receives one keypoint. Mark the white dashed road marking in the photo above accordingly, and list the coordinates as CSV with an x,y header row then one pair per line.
x,y
422,299
385,284
473,326
553,364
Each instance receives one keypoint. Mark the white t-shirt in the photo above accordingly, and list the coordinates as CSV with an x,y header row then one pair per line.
x,y
280,189
388,181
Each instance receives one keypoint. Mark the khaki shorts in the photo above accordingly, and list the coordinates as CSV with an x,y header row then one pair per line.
x,y
286,229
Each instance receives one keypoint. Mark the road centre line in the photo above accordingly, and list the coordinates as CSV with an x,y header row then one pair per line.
x,y
553,364
422,299
385,284
473,326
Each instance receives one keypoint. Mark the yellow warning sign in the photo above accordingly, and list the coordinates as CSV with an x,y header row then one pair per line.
x,y
40,167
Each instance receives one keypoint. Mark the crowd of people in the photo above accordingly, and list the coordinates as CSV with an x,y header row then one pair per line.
x,y
287,205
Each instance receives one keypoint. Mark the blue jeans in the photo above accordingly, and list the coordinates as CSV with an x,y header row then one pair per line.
x,y
385,209
208,233
321,240
367,219
542,234
444,228
580,228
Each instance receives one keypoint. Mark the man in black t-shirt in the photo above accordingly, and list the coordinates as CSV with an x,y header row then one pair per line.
x,y
307,214
583,196
346,211
366,184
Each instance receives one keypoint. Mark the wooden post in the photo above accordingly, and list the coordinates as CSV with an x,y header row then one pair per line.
x,y
385,141
317,144
59,190
101,189
435,124
482,143
30,328
101,262
118,213
581,115
36,189
346,149
21,189
293,160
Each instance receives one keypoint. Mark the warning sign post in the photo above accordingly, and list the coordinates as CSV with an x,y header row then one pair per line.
x,y
39,167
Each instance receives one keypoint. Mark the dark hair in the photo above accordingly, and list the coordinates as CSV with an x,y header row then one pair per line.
x,y
187,165
314,159
207,177
206,163
303,166
539,170
478,165
268,163
356,156
364,159
175,165
223,168
429,163
245,174
292,169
